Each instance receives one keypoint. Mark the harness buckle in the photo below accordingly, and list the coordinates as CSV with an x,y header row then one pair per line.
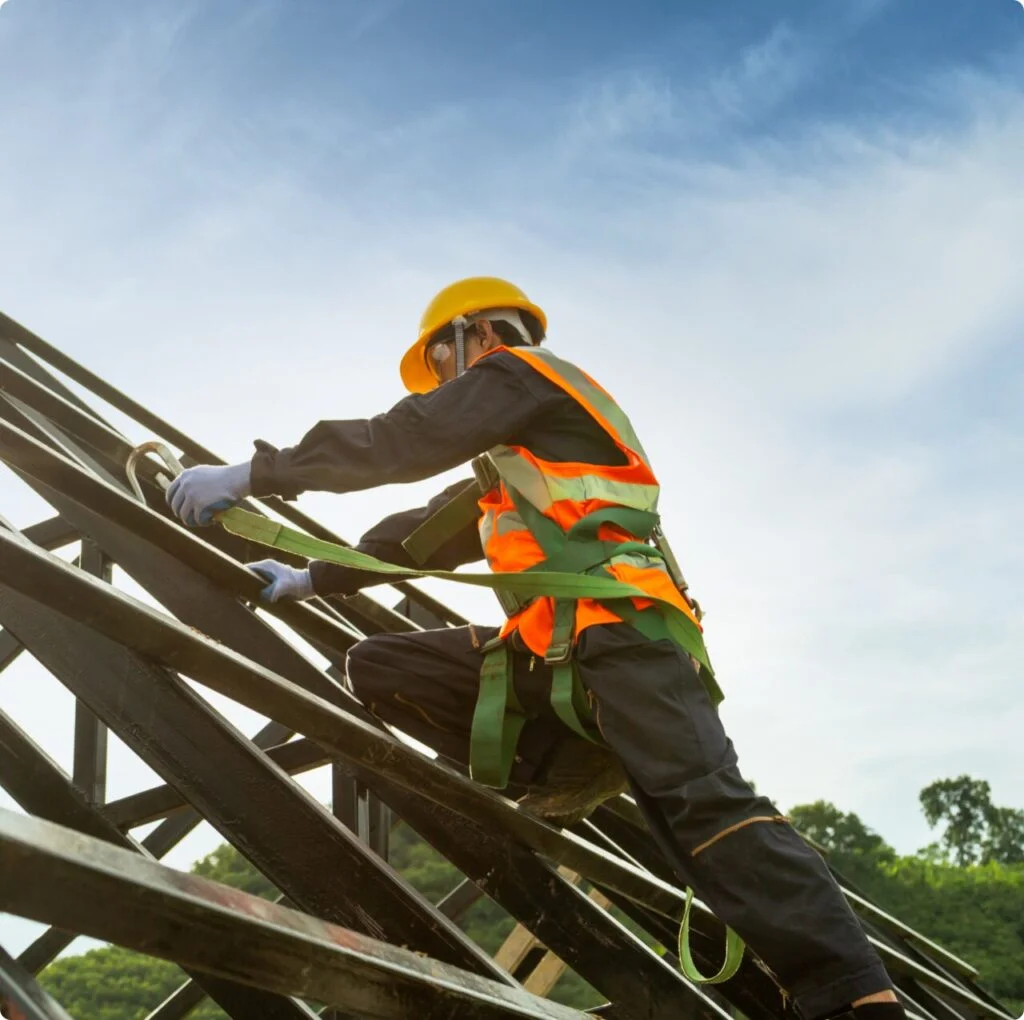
x,y
559,652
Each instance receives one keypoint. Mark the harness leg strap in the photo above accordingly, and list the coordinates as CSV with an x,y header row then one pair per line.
x,y
498,719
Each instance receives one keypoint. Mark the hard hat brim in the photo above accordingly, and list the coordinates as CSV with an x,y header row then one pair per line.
x,y
416,375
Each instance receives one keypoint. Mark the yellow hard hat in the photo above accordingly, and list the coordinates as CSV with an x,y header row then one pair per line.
x,y
464,297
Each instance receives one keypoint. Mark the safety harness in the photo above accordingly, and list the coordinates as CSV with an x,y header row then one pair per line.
x,y
499,717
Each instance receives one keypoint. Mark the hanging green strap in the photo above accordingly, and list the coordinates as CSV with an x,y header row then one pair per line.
x,y
734,949
569,701
498,719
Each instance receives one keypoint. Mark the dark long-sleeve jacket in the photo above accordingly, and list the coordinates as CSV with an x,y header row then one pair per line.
x,y
500,399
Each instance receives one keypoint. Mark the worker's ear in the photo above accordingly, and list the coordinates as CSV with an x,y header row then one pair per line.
x,y
486,336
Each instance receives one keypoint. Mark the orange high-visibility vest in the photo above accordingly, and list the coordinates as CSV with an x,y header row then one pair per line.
x,y
566,494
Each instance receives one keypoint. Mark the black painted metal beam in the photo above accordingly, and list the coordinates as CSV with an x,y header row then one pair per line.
x,y
32,778
295,757
105,611
104,448
193,451
292,839
10,649
89,772
63,878
170,550
19,989
51,534
40,787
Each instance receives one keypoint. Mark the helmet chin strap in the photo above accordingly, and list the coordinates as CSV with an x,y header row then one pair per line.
x,y
460,323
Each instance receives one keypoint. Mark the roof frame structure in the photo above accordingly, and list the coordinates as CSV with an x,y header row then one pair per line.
x,y
379,946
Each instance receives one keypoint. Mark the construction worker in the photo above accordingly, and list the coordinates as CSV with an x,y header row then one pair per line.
x,y
562,482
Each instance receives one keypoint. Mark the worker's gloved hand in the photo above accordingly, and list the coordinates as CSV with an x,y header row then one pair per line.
x,y
285,582
200,492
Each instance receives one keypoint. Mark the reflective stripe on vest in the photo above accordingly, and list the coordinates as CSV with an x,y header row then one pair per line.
x,y
566,493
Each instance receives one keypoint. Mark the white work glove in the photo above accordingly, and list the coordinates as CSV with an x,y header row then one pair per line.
x,y
285,582
200,492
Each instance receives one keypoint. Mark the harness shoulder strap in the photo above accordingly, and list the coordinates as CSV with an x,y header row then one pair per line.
x,y
459,512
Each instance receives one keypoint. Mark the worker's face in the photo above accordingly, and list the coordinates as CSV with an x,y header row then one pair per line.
x,y
479,337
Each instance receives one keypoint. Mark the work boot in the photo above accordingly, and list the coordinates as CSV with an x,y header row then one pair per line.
x,y
579,777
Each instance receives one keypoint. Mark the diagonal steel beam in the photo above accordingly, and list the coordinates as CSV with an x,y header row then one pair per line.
x,y
41,788
291,838
556,912
295,757
106,611
10,649
106,451
53,533
160,842
52,874
19,988
169,550
42,391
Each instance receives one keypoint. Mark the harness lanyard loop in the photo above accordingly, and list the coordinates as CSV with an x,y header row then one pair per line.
x,y
734,948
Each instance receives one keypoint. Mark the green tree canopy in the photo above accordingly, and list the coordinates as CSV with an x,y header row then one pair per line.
x,y
976,831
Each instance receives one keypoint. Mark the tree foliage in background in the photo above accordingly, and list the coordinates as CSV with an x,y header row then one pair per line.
x,y
976,831
965,892
975,910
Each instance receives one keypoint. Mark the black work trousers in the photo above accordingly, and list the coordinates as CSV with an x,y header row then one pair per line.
x,y
749,865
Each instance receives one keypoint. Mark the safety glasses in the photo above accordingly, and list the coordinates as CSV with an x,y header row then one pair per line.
x,y
438,353
442,347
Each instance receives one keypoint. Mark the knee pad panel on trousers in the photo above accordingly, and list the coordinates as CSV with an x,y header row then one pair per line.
x,y
368,668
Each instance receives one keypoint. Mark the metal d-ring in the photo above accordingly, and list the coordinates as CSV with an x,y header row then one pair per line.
x,y
163,479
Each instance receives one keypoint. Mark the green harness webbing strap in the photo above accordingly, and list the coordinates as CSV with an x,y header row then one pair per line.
x,y
498,719
734,949
528,583
459,512
568,698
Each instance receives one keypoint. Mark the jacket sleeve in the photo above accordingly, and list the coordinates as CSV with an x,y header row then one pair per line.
x,y
421,436
384,541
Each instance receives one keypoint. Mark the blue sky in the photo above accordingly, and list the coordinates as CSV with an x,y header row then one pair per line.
x,y
786,235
